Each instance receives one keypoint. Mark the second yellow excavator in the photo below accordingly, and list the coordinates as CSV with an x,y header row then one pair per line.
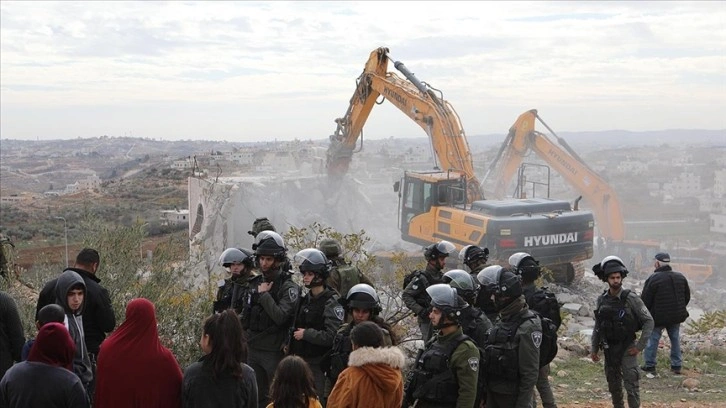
x,y
447,203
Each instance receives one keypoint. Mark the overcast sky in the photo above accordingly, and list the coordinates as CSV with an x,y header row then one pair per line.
x,y
244,71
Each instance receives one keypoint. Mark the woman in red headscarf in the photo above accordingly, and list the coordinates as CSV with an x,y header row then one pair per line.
x,y
46,379
134,369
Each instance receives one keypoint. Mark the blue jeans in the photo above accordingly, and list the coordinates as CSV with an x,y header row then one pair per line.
x,y
674,334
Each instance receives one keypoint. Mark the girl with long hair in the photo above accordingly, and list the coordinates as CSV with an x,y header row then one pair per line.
x,y
221,378
293,385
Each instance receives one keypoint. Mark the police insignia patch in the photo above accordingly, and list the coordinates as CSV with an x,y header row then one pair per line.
x,y
339,312
473,363
537,338
293,294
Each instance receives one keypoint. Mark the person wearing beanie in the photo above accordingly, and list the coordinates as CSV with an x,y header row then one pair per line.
x,y
373,377
666,294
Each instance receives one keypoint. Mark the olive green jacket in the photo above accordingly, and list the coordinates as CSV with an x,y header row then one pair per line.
x,y
465,364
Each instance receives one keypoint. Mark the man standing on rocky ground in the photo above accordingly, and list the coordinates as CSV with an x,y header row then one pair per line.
x,y
666,295
619,315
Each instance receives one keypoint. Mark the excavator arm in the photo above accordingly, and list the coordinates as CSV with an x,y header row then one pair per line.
x,y
419,102
523,138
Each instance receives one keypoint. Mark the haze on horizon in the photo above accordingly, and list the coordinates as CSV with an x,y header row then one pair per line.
x,y
250,71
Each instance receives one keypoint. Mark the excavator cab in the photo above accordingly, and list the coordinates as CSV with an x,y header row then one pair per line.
x,y
419,191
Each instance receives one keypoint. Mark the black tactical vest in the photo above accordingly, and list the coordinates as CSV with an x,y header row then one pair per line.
x,y
311,315
433,379
259,320
235,294
501,353
342,348
616,322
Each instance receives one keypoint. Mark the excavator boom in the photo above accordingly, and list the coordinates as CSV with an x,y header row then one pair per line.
x,y
419,102
523,138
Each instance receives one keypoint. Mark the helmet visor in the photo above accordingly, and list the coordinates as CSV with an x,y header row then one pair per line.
x,y
446,248
309,257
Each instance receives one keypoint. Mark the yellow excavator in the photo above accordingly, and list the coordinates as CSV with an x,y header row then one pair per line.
x,y
447,203
523,139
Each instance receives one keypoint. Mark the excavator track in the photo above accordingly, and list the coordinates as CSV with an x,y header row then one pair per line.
x,y
567,274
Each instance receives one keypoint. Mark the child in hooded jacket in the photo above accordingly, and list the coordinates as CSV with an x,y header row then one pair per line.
x,y
70,291
373,377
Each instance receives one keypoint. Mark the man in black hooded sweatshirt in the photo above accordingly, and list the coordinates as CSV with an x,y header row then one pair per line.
x,y
98,316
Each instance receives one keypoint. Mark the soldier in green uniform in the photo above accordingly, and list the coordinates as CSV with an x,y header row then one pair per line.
x,y
475,258
235,291
261,224
343,275
511,354
272,309
473,321
415,296
619,315
361,304
529,270
319,315
446,373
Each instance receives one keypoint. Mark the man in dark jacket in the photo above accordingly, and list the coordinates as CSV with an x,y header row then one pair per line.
x,y
666,295
98,315
11,333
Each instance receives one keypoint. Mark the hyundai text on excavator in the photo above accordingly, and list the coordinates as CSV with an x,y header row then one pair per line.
x,y
447,203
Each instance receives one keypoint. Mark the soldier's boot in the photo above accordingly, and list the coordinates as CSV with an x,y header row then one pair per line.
x,y
615,386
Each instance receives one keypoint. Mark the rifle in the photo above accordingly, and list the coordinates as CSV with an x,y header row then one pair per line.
x,y
411,383
291,330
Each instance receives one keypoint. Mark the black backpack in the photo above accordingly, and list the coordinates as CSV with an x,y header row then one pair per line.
x,y
545,303
548,347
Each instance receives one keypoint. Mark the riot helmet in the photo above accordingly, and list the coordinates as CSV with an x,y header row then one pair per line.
x,y
503,283
526,266
362,296
232,256
312,260
330,247
610,264
465,284
472,253
445,298
439,250
269,243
